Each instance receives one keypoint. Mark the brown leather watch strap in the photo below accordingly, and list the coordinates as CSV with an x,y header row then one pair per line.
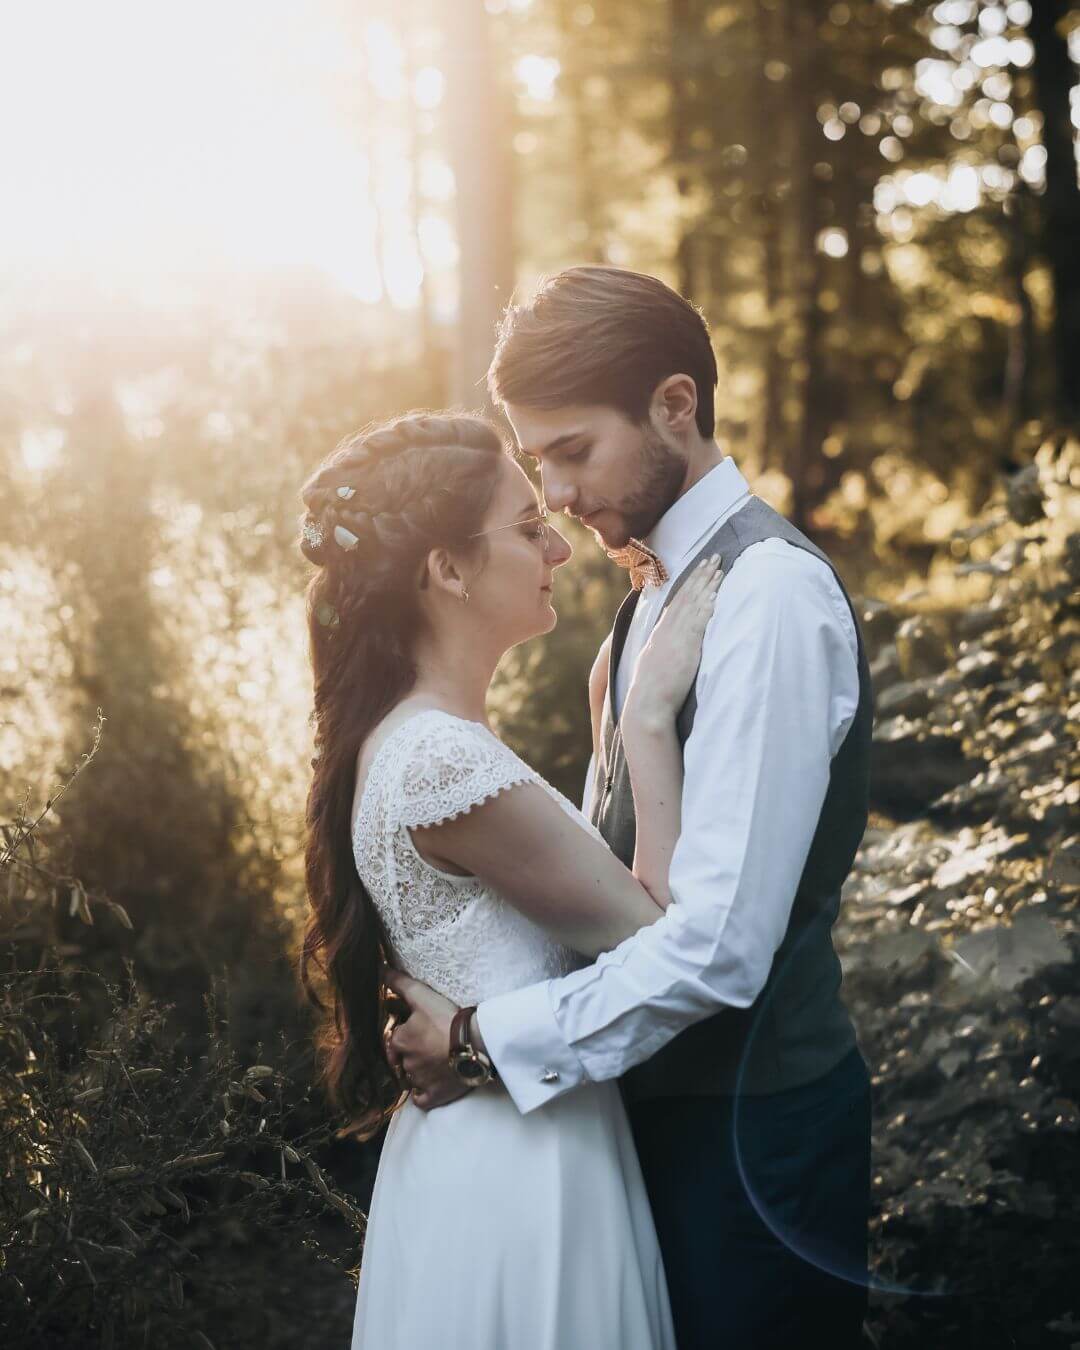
x,y
462,1048
459,1029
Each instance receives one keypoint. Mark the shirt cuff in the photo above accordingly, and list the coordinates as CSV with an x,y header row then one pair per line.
x,y
527,1048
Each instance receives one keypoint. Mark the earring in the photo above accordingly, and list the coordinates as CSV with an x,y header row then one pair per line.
x,y
464,597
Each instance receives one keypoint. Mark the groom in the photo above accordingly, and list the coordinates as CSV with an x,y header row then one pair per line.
x,y
748,1098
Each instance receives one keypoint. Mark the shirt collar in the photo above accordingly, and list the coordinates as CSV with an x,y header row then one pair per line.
x,y
684,524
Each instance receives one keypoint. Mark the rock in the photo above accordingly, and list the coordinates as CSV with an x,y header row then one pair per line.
x,y
980,619
921,648
1024,498
1059,815
885,669
903,950
912,765
986,795
1009,955
1071,557
1066,1012
979,668
1063,868
912,698
945,688
878,624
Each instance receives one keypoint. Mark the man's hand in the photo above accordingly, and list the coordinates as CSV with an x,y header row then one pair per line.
x,y
420,1047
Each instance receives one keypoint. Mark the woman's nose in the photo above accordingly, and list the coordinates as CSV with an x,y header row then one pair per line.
x,y
559,550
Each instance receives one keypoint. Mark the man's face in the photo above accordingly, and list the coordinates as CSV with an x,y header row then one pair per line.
x,y
615,476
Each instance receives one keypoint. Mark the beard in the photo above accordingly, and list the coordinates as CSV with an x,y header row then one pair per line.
x,y
661,472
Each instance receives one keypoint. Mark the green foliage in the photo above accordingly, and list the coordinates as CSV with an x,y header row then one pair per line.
x,y
140,1167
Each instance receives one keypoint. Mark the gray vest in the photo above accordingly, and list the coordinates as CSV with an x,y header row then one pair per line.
x,y
797,1028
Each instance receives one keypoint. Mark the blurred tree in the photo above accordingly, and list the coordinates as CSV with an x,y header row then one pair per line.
x,y
1055,80
408,21
477,124
847,189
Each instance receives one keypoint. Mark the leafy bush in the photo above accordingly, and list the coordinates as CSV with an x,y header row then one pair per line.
x,y
139,1163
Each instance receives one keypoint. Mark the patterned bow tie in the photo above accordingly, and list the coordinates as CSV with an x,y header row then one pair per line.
x,y
641,562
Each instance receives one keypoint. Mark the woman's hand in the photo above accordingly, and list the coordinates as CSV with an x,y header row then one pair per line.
x,y
419,1048
668,663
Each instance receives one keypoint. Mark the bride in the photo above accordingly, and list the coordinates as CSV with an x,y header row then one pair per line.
x,y
433,847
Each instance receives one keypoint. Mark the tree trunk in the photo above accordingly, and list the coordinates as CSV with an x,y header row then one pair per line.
x,y
589,205
804,466
766,165
682,20
369,114
478,123
407,37
1054,75
1015,398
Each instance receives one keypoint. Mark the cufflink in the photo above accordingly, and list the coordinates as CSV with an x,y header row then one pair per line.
x,y
549,1076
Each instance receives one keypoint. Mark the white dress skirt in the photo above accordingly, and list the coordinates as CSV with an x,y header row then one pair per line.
x,y
489,1229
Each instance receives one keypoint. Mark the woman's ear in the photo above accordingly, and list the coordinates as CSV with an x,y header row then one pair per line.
x,y
441,573
674,404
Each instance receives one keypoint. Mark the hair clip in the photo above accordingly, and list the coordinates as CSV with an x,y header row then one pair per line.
x,y
346,493
312,533
345,538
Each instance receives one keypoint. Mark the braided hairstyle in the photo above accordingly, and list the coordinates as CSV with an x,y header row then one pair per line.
x,y
376,506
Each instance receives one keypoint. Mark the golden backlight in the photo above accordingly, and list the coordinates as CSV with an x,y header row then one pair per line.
x,y
142,138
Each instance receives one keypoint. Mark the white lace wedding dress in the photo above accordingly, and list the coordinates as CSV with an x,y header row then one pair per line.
x,y
490,1230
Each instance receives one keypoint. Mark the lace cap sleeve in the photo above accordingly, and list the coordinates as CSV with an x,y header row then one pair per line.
x,y
450,766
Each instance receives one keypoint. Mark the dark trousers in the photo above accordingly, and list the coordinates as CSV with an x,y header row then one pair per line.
x,y
761,1207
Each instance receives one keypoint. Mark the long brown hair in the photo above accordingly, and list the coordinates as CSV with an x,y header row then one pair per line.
x,y
376,506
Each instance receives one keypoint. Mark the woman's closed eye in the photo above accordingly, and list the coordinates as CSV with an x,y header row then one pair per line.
x,y
537,530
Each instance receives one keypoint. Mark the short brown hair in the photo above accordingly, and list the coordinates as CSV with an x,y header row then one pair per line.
x,y
602,335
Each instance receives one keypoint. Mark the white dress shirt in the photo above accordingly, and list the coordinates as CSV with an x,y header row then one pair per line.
x,y
777,689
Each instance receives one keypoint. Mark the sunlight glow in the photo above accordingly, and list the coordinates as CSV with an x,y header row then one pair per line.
x,y
934,80
207,138
385,60
538,74
40,447
833,242
957,187
428,87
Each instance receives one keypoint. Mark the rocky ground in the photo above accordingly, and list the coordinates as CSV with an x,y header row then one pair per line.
x,y
960,933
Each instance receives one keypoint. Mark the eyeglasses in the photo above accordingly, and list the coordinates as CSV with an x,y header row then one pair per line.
x,y
540,521
543,534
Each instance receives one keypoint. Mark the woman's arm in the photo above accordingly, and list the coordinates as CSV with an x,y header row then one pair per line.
x,y
662,677
654,758
598,685
540,859
525,845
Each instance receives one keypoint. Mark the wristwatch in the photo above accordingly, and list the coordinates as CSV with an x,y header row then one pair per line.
x,y
472,1066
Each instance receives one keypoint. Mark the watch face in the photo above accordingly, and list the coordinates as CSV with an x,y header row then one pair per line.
x,y
470,1069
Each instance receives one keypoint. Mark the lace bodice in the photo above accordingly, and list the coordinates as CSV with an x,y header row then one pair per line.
x,y
455,933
